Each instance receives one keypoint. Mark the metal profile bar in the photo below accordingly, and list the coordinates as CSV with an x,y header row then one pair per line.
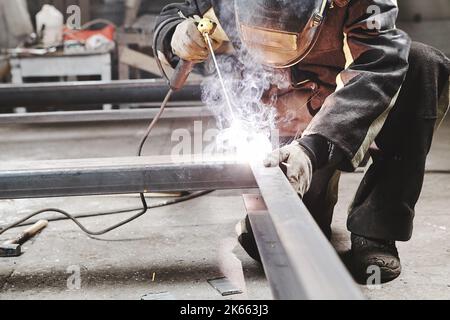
x,y
278,270
62,94
42,179
317,267
102,115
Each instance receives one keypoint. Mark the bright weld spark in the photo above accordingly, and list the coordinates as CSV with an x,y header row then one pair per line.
x,y
247,144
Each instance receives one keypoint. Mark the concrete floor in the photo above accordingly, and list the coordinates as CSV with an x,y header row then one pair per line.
x,y
177,249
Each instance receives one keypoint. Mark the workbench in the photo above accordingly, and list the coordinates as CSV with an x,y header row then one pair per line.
x,y
64,66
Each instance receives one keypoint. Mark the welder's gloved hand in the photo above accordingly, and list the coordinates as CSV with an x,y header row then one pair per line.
x,y
188,43
299,166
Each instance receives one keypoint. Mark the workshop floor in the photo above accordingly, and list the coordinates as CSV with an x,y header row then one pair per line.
x,y
177,249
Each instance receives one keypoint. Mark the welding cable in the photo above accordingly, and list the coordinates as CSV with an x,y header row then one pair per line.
x,y
154,122
67,216
155,49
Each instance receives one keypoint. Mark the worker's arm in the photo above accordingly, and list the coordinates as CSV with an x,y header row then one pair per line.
x,y
377,63
189,43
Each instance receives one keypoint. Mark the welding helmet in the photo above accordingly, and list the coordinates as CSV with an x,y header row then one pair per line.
x,y
280,33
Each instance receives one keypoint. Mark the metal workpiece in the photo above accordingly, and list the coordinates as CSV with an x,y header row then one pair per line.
x,y
84,177
317,267
281,276
92,92
103,115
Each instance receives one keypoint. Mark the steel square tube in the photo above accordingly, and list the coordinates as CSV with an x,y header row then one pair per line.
x,y
279,272
92,92
316,265
61,178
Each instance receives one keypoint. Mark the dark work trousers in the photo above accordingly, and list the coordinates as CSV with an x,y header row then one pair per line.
x,y
383,207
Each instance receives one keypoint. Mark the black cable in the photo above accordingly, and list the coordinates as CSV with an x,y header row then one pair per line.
x,y
154,122
83,228
74,218
155,49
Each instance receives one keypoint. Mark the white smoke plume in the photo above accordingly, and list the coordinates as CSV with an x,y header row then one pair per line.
x,y
247,84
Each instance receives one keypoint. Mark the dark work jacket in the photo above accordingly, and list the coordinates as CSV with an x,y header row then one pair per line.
x,y
358,67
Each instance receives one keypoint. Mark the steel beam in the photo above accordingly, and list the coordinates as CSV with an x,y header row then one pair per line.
x,y
42,179
279,272
93,92
318,270
99,115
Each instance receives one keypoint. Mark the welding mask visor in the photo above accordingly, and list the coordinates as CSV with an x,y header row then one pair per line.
x,y
280,33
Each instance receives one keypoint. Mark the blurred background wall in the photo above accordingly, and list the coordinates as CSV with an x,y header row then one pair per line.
x,y
427,21
417,10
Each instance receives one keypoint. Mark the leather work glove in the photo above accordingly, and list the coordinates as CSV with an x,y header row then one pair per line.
x,y
188,43
298,163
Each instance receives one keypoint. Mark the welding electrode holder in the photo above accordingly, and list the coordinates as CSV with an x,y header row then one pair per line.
x,y
182,72
184,68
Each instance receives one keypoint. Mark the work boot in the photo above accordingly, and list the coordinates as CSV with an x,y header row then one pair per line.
x,y
370,253
247,240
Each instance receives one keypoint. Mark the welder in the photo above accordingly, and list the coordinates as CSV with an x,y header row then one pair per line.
x,y
359,88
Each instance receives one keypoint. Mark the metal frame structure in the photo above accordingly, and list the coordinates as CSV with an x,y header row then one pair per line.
x,y
299,261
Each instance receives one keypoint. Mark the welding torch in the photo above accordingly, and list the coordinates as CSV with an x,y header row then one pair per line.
x,y
184,68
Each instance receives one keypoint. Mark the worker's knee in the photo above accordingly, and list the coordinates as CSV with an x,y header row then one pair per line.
x,y
427,75
426,62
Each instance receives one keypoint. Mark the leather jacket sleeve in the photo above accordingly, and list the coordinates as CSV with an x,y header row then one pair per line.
x,y
377,63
